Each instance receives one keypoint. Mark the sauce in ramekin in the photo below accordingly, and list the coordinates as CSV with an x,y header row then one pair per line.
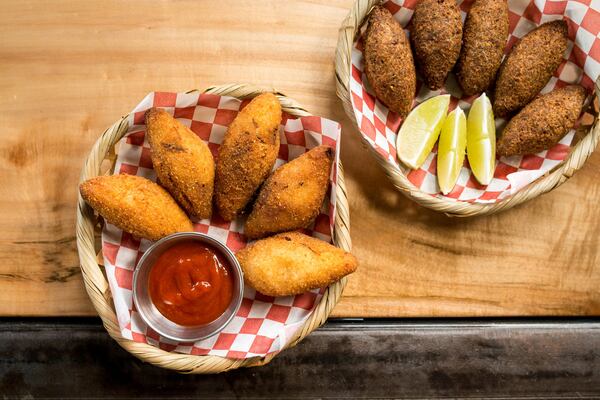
x,y
191,284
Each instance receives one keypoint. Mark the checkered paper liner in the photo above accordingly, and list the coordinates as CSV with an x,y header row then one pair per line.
x,y
379,126
263,324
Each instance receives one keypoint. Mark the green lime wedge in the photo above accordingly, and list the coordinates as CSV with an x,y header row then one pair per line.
x,y
420,130
451,149
481,140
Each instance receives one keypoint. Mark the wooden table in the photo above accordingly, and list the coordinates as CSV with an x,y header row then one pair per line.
x,y
69,69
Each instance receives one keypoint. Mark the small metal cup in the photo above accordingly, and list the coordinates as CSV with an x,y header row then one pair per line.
x,y
160,323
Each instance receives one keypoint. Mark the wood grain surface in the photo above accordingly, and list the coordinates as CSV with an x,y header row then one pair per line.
x,y
69,69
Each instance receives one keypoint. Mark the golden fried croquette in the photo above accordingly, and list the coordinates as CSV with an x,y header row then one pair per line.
x,y
247,155
389,62
293,263
529,66
136,205
436,35
182,161
543,122
484,39
292,196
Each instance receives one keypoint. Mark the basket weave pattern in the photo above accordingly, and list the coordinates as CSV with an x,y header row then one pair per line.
x,y
97,285
579,153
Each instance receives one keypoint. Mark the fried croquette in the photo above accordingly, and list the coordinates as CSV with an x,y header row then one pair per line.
x,y
436,35
247,155
292,196
292,263
135,205
484,39
543,122
389,64
182,161
529,66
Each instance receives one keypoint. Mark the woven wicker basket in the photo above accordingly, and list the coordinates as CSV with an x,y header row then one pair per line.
x,y
579,153
97,285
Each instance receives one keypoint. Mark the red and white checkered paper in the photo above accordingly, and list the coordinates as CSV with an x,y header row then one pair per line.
x,y
581,65
263,324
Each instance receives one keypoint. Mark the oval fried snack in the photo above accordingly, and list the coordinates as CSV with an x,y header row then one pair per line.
x,y
182,161
543,122
484,39
389,64
293,263
292,196
136,205
247,155
529,66
436,35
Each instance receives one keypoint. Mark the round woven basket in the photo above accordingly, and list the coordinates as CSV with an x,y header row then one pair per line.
x,y
97,285
579,153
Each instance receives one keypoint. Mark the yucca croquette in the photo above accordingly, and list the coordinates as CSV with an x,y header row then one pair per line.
x,y
543,122
292,263
182,161
389,64
135,205
292,196
529,66
436,35
484,38
247,154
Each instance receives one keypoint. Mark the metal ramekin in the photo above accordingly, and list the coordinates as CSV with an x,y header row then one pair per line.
x,y
160,323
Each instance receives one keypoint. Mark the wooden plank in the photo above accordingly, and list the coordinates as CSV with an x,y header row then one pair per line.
x,y
392,360
71,69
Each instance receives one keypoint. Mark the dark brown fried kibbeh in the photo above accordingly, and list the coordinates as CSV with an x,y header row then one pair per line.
x,y
436,36
484,39
389,64
543,122
529,66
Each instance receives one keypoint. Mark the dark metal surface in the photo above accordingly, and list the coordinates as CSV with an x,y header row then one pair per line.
x,y
415,359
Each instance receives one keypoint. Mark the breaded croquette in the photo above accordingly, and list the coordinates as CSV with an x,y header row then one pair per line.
x,y
247,155
484,39
543,122
292,196
293,263
389,64
182,161
529,66
436,35
136,205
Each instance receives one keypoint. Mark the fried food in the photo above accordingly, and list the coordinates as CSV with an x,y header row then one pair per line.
x,y
292,196
182,161
543,122
293,263
136,205
436,35
389,64
529,66
484,39
247,155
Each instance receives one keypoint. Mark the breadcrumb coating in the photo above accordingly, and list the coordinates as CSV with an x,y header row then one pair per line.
x,y
135,205
293,263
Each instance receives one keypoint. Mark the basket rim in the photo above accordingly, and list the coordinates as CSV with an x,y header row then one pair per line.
x,y
99,291
551,180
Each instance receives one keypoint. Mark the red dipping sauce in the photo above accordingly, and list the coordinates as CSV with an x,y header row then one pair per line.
x,y
191,283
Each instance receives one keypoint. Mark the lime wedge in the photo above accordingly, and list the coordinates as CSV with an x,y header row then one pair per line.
x,y
451,149
420,130
481,140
